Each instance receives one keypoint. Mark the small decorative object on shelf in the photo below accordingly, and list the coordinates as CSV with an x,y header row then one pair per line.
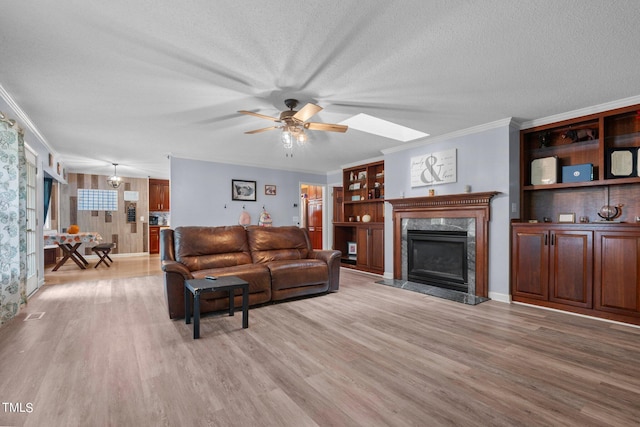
x,y
580,134
545,139
610,213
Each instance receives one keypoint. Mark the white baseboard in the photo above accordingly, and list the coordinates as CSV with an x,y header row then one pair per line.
x,y
496,296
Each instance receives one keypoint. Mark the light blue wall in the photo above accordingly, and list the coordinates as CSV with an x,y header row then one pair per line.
x,y
201,193
485,161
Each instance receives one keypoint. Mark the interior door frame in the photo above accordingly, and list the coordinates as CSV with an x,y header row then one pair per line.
x,y
325,210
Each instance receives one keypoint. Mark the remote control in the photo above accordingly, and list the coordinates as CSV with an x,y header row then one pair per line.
x,y
211,277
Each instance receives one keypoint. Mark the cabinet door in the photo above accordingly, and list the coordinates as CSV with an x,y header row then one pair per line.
x,y
617,271
154,240
164,196
158,195
530,263
571,273
376,246
154,197
370,242
362,241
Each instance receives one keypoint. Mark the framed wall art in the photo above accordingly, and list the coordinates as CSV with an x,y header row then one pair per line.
x,y
434,168
270,190
243,190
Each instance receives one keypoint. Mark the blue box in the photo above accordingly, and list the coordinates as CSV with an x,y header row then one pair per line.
x,y
577,173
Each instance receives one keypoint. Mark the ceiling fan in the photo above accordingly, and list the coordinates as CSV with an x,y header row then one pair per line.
x,y
295,122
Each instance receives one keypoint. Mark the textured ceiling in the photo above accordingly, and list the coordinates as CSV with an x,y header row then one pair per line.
x,y
134,81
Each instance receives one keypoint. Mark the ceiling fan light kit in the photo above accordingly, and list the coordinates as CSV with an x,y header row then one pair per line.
x,y
294,124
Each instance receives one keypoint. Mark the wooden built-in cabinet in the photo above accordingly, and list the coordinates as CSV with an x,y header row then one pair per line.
x,y
159,195
362,198
590,266
553,263
370,243
616,283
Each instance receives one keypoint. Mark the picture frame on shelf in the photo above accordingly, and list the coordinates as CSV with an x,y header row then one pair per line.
x,y
621,162
243,190
352,248
567,218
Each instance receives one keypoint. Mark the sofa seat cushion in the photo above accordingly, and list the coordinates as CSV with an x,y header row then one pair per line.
x,y
297,273
257,275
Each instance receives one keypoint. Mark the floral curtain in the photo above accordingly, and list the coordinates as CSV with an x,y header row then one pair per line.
x,y
13,219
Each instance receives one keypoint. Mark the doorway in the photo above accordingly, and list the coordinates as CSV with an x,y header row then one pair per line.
x,y
32,257
312,212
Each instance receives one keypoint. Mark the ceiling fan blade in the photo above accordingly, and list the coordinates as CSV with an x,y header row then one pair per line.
x,y
307,112
262,130
262,116
326,127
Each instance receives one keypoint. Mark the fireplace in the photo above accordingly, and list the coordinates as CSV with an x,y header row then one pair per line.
x,y
438,258
458,213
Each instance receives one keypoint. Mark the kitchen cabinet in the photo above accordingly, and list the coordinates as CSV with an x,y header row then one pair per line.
x,y
154,239
159,195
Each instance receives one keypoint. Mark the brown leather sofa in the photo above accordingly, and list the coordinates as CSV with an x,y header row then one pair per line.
x,y
278,262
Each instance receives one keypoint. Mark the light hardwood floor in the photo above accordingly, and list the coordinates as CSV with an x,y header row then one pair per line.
x,y
106,354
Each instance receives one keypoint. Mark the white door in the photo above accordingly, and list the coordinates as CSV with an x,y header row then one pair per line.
x,y
32,257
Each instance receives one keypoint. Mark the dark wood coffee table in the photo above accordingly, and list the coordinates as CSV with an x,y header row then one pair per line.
x,y
197,287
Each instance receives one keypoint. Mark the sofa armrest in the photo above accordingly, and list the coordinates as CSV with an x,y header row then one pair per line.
x,y
176,267
332,258
175,274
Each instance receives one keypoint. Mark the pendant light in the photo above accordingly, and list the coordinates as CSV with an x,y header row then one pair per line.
x,y
114,181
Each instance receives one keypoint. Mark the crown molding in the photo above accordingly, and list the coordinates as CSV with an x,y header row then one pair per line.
x,y
620,103
362,162
469,131
24,119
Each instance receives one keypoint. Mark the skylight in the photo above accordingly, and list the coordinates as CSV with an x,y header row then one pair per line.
x,y
376,126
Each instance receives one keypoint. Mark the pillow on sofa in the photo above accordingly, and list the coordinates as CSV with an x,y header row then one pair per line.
x,y
277,243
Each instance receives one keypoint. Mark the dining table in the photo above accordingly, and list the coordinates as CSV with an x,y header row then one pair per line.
x,y
70,243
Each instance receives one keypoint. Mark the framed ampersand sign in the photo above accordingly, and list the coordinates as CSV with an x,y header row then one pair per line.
x,y
434,168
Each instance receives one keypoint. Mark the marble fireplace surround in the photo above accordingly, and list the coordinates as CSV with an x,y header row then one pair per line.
x,y
450,211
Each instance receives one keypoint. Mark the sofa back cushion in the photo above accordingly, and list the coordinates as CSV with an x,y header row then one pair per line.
x,y
201,248
277,243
